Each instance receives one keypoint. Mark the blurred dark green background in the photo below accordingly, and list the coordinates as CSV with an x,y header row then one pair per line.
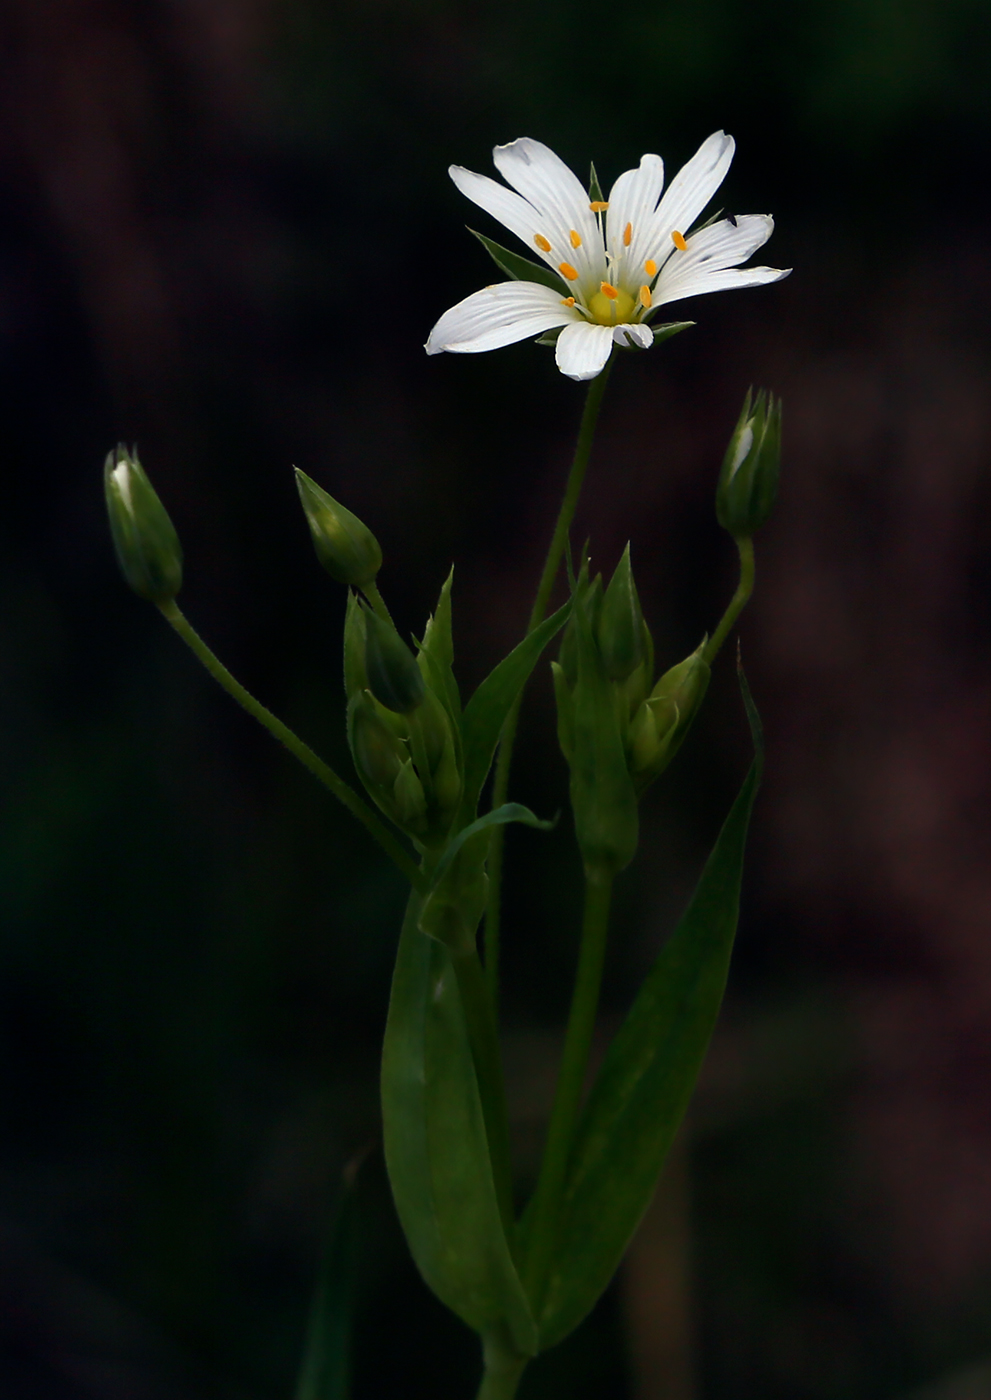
x,y
225,231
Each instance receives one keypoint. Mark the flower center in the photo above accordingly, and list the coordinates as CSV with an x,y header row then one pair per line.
x,y
611,306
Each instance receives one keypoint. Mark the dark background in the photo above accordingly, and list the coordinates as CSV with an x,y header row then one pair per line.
x,y
225,231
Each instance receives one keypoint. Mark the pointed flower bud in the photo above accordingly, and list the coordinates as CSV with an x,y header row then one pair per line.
x,y
345,546
748,482
394,678
147,545
662,721
620,625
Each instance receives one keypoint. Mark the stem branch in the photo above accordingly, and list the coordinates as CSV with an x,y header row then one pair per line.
x,y
320,770
738,601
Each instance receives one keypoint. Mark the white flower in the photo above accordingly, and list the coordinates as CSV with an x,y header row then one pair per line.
x,y
613,262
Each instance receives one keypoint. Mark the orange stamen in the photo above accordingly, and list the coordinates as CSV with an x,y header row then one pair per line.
x,y
650,267
645,296
678,239
575,239
627,235
608,291
567,301
566,270
541,242
599,206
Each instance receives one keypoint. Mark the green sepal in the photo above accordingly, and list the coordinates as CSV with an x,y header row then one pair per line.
x,y
355,675
436,1148
670,328
519,268
486,711
438,644
325,1372
565,712
647,1077
603,800
145,541
594,188
550,337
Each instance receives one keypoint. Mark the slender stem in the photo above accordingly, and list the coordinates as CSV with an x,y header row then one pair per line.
x,y
503,1368
320,770
568,1096
744,588
373,595
500,787
483,1037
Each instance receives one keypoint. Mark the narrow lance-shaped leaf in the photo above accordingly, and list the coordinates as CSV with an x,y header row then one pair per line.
x,y
486,711
647,1078
436,1148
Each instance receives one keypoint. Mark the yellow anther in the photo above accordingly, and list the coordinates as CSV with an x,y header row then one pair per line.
x,y
599,206
541,242
627,235
678,239
566,270
567,301
608,291
650,267
575,239
645,296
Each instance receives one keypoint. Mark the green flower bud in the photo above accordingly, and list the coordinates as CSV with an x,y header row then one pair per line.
x,y
394,678
378,753
345,546
619,629
748,482
662,721
447,780
591,602
147,545
410,802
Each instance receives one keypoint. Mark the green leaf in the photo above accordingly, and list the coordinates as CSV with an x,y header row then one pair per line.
x,y
436,1149
325,1372
486,711
670,328
647,1078
499,816
517,267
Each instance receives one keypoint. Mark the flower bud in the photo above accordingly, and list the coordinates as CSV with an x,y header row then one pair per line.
x,y
345,546
619,629
410,802
378,753
147,545
748,482
394,678
590,600
662,721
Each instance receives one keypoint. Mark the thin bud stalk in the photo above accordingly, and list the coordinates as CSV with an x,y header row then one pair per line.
x,y
320,770
738,602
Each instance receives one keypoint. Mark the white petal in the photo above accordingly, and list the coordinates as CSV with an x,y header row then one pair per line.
x,y
560,199
723,244
633,200
640,334
498,315
704,280
690,191
582,350
509,208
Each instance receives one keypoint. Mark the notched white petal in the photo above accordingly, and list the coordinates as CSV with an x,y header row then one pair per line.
x,y
634,336
583,349
498,315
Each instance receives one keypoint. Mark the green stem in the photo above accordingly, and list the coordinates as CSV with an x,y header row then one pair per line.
x,y
483,1037
503,1369
546,1204
373,595
320,770
500,786
738,601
